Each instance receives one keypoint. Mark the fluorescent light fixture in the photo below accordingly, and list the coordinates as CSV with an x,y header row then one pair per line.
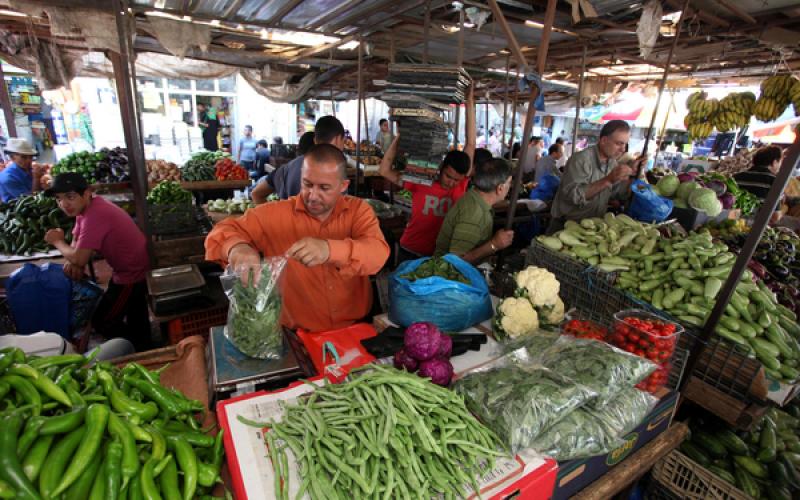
x,y
515,73
534,24
352,44
215,22
469,25
450,28
297,38
159,4
166,15
540,26
239,27
187,18
13,13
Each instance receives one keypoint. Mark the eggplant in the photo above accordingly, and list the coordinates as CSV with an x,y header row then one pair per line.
x,y
779,271
757,268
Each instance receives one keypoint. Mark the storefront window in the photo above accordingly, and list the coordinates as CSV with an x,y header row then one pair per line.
x,y
205,85
151,100
147,82
227,84
181,108
179,84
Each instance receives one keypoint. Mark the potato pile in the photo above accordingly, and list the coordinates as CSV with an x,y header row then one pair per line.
x,y
160,170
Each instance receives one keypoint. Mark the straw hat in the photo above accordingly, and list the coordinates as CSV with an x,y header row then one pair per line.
x,y
20,146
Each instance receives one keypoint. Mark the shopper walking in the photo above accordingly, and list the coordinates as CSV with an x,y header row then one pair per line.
x,y
247,150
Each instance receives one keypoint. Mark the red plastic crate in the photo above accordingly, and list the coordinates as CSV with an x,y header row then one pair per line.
x,y
196,323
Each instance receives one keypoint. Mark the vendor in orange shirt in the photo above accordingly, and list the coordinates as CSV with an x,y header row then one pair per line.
x,y
333,243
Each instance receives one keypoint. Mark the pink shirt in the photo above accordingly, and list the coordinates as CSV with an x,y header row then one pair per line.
x,y
106,228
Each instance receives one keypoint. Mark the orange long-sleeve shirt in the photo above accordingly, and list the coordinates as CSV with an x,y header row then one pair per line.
x,y
331,296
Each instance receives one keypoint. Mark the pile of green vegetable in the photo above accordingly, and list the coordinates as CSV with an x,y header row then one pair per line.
x,y
202,166
519,399
169,193
74,431
25,220
231,206
386,433
763,463
255,311
436,266
106,165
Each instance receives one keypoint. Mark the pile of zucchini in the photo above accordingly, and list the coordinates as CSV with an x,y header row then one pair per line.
x,y
24,221
763,463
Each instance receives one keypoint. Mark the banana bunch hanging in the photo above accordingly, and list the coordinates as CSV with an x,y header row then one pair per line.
x,y
777,92
734,111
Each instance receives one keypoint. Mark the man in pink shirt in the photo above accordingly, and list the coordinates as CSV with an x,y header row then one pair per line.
x,y
104,228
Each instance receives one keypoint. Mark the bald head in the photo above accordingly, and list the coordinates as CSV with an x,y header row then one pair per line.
x,y
327,155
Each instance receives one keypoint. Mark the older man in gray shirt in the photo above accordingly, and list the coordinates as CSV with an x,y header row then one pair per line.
x,y
592,177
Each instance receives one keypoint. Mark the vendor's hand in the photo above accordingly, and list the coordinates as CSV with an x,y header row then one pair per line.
x,y
242,259
73,272
310,252
37,170
620,173
54,236
502,239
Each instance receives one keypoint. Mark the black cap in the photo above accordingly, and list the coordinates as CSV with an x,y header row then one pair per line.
x,y
66,183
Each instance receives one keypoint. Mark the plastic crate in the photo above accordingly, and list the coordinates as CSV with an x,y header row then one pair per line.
x,y
689,480
178,220
196,323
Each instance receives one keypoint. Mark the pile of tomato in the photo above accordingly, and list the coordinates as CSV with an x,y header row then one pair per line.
x,y
585,329
227,170
653,339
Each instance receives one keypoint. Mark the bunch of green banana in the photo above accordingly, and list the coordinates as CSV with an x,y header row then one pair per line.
x,y
734,111
700,130
777,92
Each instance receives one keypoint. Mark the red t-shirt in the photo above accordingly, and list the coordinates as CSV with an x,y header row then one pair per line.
x,y
429,205
106,228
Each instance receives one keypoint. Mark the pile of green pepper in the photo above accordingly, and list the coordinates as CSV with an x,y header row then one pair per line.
x,y
69,430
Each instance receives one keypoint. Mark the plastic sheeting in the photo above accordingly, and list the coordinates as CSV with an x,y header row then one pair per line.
x,y
648,27
178,36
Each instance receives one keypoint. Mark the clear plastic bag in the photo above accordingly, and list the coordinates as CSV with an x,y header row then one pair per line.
x,y
535,343
254,313
589,431
518,399
599,366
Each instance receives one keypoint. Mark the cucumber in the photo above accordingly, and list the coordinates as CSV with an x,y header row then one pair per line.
x,y
786,312
767,444
778,493
722,474
789,372
776,338
729,323
694,452
778,474
791,472
746,482
789,325
746,330
751,466
731,442
714,447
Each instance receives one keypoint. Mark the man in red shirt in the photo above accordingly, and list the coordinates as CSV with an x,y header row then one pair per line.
x,y
429,204
101,226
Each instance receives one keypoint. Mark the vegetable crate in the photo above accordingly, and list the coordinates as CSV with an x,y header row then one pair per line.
x,y
723,365
196,323
590,292
689,480
181,219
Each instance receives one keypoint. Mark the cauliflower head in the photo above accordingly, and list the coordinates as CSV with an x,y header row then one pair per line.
x,y
517,317
539,285
551,315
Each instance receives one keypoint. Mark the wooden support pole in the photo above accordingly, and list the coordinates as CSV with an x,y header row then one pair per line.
x,y
8,111
663,83
391,47
125,77
578,101
541,61
505,103
513,121
358,119
486,122
366,120
427,31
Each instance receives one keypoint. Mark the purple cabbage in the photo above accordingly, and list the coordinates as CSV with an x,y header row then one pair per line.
x,y
440,371
687,176
403,361
422,341
727,200
718,187
445,346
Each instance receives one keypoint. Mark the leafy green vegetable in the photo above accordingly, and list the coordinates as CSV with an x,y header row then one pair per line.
x,y
519,399
436,266
624,412
601,367
255,310
169,193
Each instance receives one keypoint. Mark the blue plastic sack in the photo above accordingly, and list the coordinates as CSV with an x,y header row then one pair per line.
x,y
86,297
450,305
546,189
39,297
647,205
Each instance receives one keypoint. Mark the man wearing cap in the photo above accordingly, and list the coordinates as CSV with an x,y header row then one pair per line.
x,y
20,177
102,227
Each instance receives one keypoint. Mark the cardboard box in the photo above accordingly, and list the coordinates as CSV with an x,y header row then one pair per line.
x,y
780,393
575,475
527,475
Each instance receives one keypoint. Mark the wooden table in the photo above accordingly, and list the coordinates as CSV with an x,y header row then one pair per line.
x,y
635,466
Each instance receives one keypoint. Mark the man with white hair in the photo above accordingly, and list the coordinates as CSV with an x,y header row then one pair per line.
x,y
20,177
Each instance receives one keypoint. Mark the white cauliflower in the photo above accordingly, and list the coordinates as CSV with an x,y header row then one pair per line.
x,y
515,317
551,315
539,285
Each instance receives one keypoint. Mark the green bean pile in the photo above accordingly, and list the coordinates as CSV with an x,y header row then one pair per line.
x,y
385,434
71,431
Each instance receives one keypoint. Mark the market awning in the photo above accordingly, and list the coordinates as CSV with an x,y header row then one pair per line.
x,y
782,132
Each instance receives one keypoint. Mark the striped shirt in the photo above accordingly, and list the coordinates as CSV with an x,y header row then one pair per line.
x,y
758,180
466,226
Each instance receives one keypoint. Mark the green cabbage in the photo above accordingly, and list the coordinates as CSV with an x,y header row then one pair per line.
x,y
685,189
679,203
705,200
667,185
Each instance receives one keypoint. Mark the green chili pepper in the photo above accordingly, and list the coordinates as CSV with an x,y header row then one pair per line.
x,y
96,419
10,468
6,491
57,460
135,489
219,449
207,474
34,459
148,483
165,400
26,390
61,424
29,435
41,382
61,360
130,459
187,461
81,489
127,406
4,389
168,480
112,469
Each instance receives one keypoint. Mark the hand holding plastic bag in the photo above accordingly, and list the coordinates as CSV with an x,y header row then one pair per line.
x,y
255,308
518,399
